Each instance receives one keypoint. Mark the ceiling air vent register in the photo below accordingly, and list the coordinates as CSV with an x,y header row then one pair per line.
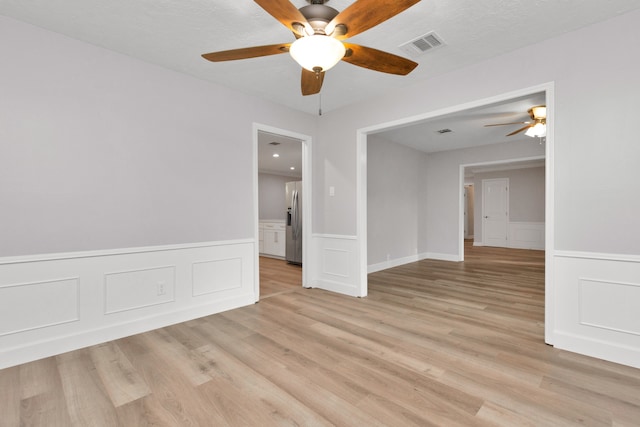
x,y
422,44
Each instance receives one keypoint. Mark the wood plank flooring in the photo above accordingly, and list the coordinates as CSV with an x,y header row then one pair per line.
x,y
434,344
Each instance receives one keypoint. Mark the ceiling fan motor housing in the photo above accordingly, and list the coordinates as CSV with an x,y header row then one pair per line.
x,y
318,15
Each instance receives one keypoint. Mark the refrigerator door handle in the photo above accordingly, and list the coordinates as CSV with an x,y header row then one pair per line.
x,y
295,220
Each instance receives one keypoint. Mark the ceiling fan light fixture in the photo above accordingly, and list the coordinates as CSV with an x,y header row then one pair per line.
x,y
539,130
317,51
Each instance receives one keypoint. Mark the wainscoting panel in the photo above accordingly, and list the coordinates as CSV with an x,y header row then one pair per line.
x,y
625,297
55,303
130,290
598,305
217,276
526,235
28,306
337,269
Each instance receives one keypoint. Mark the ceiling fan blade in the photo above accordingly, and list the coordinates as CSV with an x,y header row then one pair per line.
x,y
311,82
285,12
378,60
520,130
247,52
505,124
365,14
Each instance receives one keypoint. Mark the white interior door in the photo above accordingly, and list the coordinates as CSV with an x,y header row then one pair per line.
x,y
495,212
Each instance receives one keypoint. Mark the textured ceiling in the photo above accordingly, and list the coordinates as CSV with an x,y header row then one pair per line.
x,y
174,34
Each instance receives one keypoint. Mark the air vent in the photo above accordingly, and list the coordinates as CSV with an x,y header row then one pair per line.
x,y
422,44
441,131
274,143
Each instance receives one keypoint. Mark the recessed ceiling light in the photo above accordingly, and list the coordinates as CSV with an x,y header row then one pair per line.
x,y
292,168
276,155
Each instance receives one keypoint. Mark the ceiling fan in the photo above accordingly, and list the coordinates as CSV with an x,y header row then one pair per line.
x,y
538,127
319,31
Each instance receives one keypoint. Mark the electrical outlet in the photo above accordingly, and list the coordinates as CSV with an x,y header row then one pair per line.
x,y
162,288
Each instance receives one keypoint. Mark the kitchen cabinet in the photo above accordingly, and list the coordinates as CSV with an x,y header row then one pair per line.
x,y
272,238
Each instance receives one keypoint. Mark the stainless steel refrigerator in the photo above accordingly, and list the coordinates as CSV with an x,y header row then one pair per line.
x,y
294,222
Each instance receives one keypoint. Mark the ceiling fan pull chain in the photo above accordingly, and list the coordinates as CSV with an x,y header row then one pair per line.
x,y
319,104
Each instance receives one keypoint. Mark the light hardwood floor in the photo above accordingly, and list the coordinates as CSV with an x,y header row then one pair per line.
x,y
434,343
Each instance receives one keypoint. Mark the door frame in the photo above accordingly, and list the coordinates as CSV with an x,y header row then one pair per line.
x,y
307,151
361,189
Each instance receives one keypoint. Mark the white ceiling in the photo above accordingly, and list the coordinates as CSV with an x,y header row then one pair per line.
x,y
289,152
468,127
173,34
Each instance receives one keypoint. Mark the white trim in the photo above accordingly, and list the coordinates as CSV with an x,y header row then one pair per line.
x,y
55,345
307,205
444,257
598,256
412,258
361,209
549,215
92,320
120,251
602,349
334,236
361,186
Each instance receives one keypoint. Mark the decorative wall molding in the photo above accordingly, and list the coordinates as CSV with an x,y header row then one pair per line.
x,y
600,294
333,236
121,251
135,289
597,256
216,276
526,235
28,306
109,294
625,297
337,266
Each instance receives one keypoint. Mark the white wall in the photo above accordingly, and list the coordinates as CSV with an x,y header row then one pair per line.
x,y
595,172
126,194
271,196
598,155
397,203
101,151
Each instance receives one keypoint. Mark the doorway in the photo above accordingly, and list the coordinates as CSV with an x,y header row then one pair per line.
x,y
362,134
280,157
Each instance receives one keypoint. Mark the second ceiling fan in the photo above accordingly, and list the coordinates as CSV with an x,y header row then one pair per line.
x,y
319,31
536,127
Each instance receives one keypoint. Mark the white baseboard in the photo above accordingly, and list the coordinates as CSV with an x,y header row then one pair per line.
x,y
604,350
409,259
104,295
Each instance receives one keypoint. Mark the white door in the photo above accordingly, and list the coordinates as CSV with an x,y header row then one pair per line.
x,y
495,212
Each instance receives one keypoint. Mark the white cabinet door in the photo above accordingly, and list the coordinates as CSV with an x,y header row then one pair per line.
x,y
273,242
